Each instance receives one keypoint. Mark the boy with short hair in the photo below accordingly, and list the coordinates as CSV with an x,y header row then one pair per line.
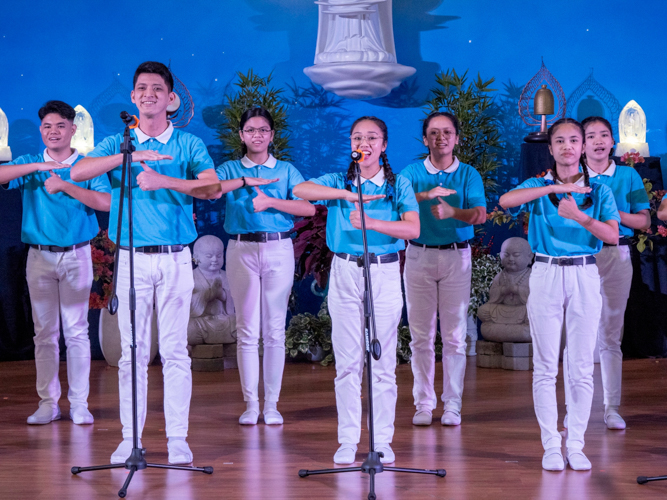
x,y
163,226
58,223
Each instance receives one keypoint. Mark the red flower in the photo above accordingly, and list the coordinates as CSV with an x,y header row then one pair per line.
x,y
662,231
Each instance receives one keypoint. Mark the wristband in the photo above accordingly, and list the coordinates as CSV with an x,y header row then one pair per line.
x,y
243,179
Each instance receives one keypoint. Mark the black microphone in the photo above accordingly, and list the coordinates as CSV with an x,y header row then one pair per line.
x,y
357,155
129,120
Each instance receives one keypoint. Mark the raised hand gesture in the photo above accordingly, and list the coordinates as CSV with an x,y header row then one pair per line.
x,y
262,201
149,179
442,210
54,184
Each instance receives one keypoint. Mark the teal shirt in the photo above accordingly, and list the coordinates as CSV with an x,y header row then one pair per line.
x,y
55,219
162,217
342,237
551,234
628,189
469,194
240,217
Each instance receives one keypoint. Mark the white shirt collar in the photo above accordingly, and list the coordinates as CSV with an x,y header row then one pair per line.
x,y
430,168
377,179
248,163
69,161
580,181
163,137
611,169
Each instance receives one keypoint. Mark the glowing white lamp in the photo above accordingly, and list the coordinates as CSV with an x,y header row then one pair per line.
x,y
5,152
632,130
84,138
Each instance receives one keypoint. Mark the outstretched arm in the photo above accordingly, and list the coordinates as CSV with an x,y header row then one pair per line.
x,y
88,168
443,210
312,191
11,172
517,197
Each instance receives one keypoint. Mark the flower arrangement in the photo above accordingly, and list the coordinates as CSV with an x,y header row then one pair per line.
x,y
631,158
102,253
313,256
646,237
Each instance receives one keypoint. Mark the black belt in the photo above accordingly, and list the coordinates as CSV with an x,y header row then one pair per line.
x,y
621,241
462,244
54,248
372,258
260,237
157,248
567,261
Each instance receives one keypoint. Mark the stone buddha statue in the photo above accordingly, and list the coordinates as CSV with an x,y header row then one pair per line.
x,y
212,315
504,317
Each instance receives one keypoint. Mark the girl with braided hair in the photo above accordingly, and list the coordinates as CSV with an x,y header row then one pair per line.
x,y
569,221
438,266
391,217
613,261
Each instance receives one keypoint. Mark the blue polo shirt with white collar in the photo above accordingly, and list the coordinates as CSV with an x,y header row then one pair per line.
x,y
342,237
628,189
469,194
551,234
162,217
240,216
55,219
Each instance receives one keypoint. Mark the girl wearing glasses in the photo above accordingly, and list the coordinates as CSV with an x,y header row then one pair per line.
x,y
260,260
613,261
570,218
391,216
438,266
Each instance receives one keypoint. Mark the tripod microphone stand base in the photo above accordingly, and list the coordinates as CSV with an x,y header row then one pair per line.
x,y
136,462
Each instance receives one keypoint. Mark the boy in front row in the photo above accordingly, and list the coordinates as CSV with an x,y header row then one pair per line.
x,y
168,166
58,223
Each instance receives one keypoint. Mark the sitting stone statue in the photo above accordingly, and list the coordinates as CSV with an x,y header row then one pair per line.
x,y
212,315
504,317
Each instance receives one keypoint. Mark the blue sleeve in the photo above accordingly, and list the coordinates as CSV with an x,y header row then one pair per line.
x,y
223,172
637,196
200,160
528,183
608,210
475,191
406,200
328,180
408,173
100,184
294,178
109,146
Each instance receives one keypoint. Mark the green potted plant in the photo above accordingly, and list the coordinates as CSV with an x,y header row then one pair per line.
x,y
309,336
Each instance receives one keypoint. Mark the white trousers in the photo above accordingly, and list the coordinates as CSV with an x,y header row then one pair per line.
x,y
165,280
346,292
558,294
437,282
59,285
615,268
260,279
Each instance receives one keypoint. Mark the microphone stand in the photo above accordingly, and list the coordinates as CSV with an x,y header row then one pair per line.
x,y
372,464
136,460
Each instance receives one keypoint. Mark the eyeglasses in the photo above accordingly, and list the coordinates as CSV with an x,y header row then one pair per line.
x,y
253,131
370,139
445,133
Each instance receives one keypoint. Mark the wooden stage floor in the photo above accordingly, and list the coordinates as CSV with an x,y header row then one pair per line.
x,y
495,453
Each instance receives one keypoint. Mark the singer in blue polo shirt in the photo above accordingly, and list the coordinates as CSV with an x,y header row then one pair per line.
x,y
391,217
58,223
438,267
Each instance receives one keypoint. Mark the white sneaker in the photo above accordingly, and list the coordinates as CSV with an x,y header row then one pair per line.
x,y
451,417
388,454
345,454
578,461
250,416
271,414
45,414
81,416
179,452
613,419
553,459
123,451
422,417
